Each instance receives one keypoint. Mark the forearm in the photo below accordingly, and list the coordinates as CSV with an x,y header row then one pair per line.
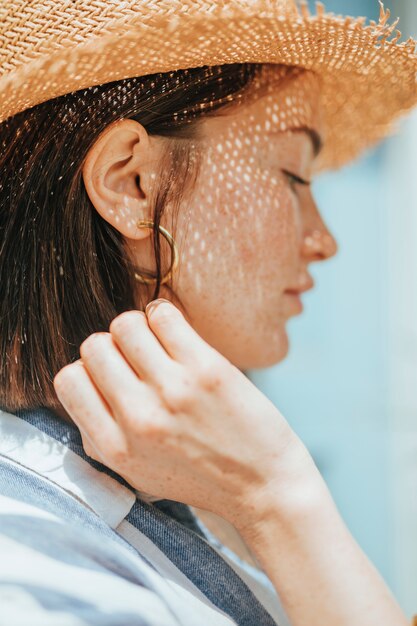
x,y
320,573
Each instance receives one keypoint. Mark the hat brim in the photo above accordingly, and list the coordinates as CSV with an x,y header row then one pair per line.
x,y
367,81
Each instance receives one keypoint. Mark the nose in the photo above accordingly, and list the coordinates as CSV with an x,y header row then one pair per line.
x,y
318,244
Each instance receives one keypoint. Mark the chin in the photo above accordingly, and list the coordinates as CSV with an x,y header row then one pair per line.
x,y
266,353
273,357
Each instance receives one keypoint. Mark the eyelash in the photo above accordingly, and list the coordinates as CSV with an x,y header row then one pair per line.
x,y
296,180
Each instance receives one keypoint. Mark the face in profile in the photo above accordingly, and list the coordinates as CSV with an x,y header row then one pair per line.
x,y
250,229
253,228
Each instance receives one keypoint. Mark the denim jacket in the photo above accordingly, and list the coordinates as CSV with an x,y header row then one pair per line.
x,y
80,546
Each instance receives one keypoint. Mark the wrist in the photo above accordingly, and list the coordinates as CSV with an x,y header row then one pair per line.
x,y
293,491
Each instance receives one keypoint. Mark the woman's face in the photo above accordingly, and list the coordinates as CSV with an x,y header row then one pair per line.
x,y
250,230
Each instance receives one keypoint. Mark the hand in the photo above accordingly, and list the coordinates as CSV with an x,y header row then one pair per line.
x,y
162,408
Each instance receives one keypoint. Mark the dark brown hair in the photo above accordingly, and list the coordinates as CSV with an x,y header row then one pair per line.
x,y
64,272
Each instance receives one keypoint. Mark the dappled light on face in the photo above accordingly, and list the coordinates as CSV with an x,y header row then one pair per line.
x,y
241,251
241,179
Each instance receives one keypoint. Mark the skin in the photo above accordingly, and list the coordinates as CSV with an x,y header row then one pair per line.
x,y
161,407
160,398
246,218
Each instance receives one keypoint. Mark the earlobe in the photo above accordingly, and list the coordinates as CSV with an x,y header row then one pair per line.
x,y
115,172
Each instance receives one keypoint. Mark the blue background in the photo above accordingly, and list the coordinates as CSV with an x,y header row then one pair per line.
x,y
343,385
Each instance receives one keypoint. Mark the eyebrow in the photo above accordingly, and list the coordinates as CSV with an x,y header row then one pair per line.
x,y
316,139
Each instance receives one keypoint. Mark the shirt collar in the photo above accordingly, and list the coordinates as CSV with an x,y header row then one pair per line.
x,y
44,443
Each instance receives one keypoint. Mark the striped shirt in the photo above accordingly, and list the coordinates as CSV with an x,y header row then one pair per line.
x,y
79,546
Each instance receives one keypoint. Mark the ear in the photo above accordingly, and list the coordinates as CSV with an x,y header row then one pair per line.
x,y
118,174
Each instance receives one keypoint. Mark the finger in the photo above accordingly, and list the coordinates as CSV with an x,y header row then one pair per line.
x,y
84,403
140,347
119,385
177,336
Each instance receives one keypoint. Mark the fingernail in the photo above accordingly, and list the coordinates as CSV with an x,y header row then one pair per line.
x,y
152,305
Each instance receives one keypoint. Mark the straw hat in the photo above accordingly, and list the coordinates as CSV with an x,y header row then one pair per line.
x,y
49,48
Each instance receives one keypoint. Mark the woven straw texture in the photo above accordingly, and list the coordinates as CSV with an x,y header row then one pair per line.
x,y
49,48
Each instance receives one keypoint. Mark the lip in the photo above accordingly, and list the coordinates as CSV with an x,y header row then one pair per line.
x,y
297,290
295,293
296,300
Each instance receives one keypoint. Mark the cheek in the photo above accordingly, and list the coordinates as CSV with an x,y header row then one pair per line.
x,y
241,233
269,236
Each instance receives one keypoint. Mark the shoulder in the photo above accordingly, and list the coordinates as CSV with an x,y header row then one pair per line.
x,y
52,572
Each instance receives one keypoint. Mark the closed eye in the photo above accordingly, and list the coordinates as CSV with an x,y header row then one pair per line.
x,y
296,179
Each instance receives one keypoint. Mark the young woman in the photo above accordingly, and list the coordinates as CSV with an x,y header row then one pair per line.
x,y
121,411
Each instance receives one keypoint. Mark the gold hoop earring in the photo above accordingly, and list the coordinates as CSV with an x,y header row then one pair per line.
x,y
174,254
